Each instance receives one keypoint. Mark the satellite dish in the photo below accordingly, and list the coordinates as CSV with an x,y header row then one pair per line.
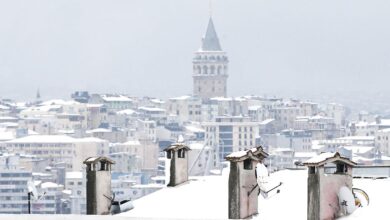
x,y
361,197
346,200
32,189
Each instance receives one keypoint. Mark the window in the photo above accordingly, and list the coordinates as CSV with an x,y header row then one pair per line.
x,y
169,154
248,164
312,170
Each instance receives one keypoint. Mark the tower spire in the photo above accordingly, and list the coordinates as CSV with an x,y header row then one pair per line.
x,y
210,41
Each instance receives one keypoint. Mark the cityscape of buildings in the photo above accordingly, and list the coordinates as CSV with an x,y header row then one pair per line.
x,y
46,141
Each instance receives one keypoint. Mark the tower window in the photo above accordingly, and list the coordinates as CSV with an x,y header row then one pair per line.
x,y
205,70
212,70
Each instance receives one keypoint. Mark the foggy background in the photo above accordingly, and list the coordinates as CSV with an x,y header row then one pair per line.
x,y
310,49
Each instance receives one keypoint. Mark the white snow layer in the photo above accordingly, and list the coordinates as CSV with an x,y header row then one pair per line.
x,y
207,198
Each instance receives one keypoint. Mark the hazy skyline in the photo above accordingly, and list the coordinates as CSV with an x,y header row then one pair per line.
x,y
145,47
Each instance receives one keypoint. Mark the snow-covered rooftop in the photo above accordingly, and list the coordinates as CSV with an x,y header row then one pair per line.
x,y
74,175
207,198
98,130
194,129
50,185
267,121
151,109
184,97
126,112
43,139
132,142
116,98
327,157
358,138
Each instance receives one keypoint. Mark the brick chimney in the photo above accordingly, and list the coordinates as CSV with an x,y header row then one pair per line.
x,y
243,188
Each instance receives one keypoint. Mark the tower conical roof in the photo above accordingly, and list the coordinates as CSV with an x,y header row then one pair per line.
x,y
210,42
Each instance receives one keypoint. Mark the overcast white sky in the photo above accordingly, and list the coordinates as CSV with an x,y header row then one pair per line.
x,y
145,47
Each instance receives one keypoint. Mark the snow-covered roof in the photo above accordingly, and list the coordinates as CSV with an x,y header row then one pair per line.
x,y
43,139
221,99
91,105
132,142
177,146
357,138
6,135
98,130
383,122
151,109
3,107
245,154
194,129
157,101
59,102
254,107
90,160
207,198
327,157
126,112
8,118
67,191
74,175
89,140
9,124
267,121
50,185
184,97
116,98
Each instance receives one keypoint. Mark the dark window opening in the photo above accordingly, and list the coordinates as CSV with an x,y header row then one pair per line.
x,y
248,164
169,154
312,170
341,168
102,166
181,153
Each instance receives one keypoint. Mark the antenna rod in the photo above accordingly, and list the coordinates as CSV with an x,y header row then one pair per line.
x,y
210,8
29,202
